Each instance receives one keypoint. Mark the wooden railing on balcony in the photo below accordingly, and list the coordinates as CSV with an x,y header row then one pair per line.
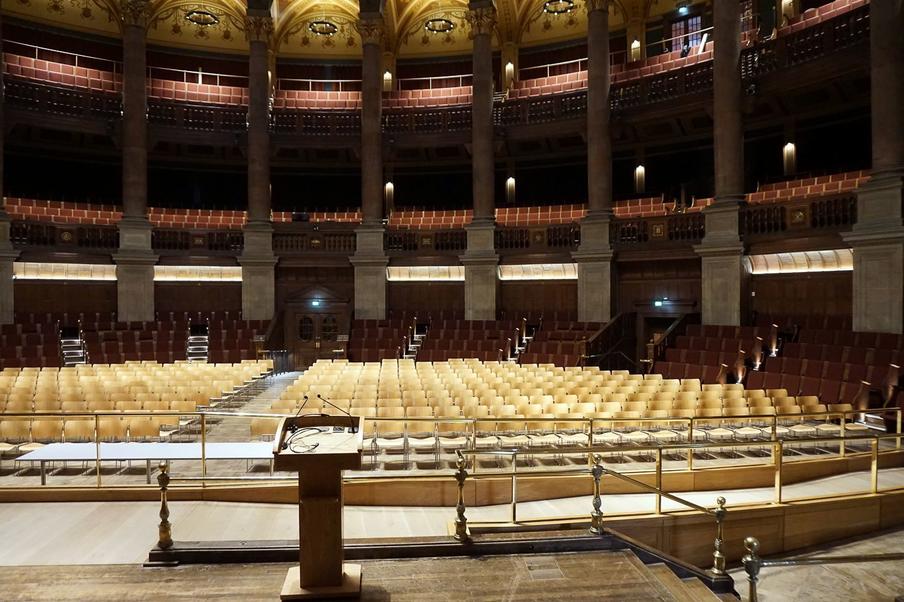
x,y
295,239
827,213
539,239
678,228
35,234
221,241
200,117
423,241
73,102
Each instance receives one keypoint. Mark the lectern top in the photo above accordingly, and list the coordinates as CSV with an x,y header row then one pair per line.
x,y
318,440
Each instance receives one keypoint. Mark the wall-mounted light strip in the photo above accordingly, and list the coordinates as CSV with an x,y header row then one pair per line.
x,y
30,270
426,273
539,271
800,262
197,273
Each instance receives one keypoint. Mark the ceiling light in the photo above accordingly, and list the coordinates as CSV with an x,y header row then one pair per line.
x,y
202,17
558,7
439,25
323,28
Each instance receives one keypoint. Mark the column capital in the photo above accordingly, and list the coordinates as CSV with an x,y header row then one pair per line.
x,y
482,19
592,5
258,27
370,28
135,12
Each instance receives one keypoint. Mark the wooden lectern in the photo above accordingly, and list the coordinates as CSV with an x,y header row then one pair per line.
x,y
321,449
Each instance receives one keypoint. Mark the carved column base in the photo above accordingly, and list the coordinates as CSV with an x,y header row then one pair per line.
x,y
135,286
594,285
370,263
877,240
481,279
258,272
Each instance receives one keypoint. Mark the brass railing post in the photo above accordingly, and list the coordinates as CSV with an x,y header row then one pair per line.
x,y
203,445
898,429
514,487
778,452
752,565
461,522
659,480
97,448
165,540
874,466
841,446
596,516
690,439
718,554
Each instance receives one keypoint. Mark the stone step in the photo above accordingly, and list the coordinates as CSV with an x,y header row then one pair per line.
x,y
684,590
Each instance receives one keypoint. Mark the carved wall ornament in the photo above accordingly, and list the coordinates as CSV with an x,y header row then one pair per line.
x,y
371,30
258,28
135,12
482,20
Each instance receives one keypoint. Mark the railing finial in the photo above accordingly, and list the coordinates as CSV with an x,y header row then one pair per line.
x,y
461,521
165,539
596,516
752,565
718,554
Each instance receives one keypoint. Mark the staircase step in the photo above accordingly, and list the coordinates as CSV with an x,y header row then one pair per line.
x,y
671,582
699,590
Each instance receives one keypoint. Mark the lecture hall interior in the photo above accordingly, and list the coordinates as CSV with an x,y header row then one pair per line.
x,y
452,300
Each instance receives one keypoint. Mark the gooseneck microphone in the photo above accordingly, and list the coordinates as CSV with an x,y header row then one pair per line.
x,y
353,425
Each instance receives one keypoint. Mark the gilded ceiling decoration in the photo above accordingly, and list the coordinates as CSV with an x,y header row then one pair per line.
x,y
329,29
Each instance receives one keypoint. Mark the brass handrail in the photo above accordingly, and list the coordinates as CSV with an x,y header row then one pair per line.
x,y
753,563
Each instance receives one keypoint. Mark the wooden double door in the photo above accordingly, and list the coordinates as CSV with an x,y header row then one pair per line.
x,y
316,328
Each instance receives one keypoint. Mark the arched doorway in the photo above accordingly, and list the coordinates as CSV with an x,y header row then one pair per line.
x,y
316,326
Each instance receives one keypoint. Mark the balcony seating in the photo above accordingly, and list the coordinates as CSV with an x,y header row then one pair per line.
x,y
807,188
194,92
317,99
428,97
61,73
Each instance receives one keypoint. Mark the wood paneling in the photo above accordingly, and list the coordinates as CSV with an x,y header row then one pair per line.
x,y
294,281
42,296
538,296
427,297
198,296
827,293
642,281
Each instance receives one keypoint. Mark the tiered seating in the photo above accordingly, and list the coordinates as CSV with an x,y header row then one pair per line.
x,y
140,386
231,340
482,339
374,340
428,97
198,92
806,188
98,80
317,99
117,342
63,212
30,343
560,343
431,408
705,349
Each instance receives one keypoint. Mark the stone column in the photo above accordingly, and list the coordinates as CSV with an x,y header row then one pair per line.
x,y
370,259
878,236
7,253
257,259
480,259
135,259
721,249
594,257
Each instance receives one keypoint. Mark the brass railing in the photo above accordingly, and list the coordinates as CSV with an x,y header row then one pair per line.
x,y
753,563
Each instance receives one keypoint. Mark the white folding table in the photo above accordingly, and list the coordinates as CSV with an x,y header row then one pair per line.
x,y
146,451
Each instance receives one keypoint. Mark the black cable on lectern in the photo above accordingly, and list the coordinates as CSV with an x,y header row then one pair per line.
x,y
353,426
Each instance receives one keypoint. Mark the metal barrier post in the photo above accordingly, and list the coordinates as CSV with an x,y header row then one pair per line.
x,y
898,439
752,565
461,522
841,446
596,516
718,554
165,529
690,439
